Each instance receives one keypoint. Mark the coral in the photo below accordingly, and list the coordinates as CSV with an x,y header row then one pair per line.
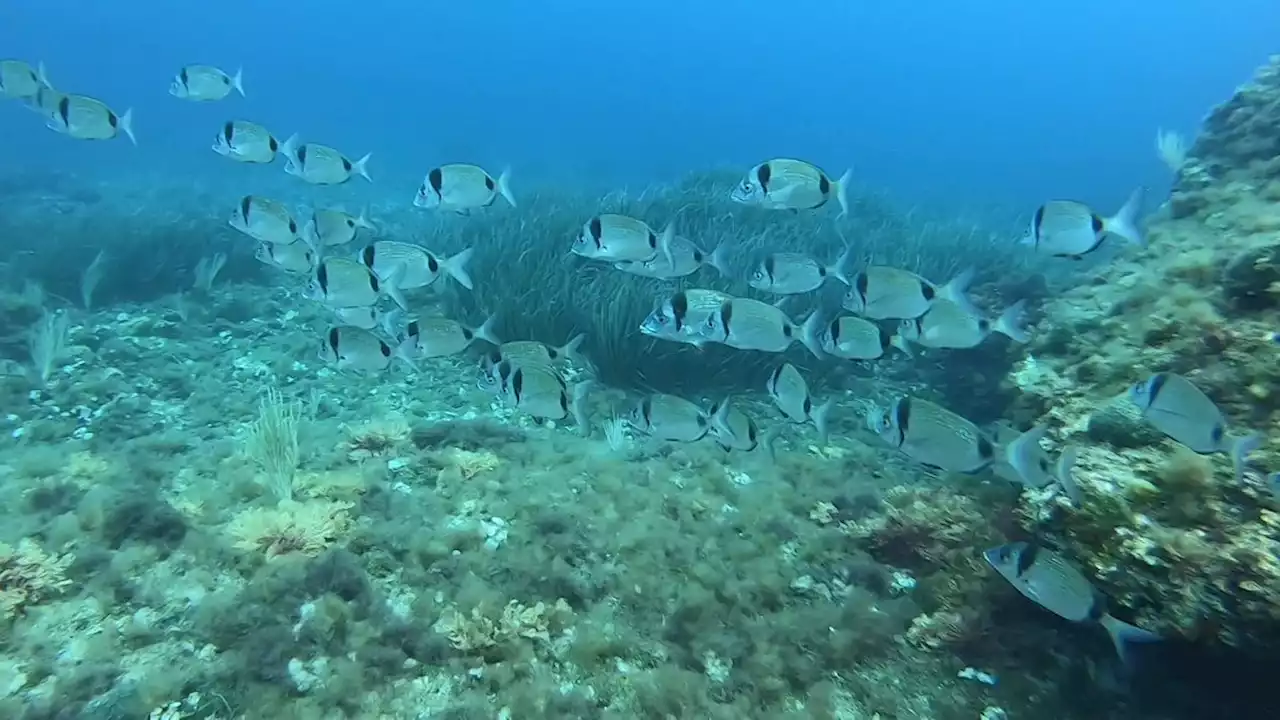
x,y
29,575
477,631
291,527
375,438
467,463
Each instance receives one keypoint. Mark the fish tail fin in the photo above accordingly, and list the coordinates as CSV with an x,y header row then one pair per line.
x,y
486,330
1063,472
126,125
821,417
573,348
840,268
237,81
456,267
405,351
1122,634
810,334
42,76
1240,449
391,286
719,259
720,418
362,220
504,187
956,290
665,241
310,235
578,406
842,192
289,149
1009,323
1125,222
361,167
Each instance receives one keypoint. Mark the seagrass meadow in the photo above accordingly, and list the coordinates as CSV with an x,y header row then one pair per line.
x,y
203,520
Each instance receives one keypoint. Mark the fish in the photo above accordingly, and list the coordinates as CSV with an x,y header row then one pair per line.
x,y
461,188
786,184
85,118
748,324
850,337
339,282
620,238
532,352
246,142
434,337
1022,460
789,273
1070,229
686,259
203,83
329,227
669,417
320,164
296,257
365,318
20,81
1179,409
415,265
791,395
683,316
887,293
1050,581
543,393
265,220
933,436
949,325
45,101
733,429
353,348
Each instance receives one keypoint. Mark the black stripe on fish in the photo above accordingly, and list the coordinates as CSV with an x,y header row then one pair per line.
x,y
824,184
646,410
245,204
435,179
351,223
769,264
927,291
594,228
679,308
322,277
333,339
301,153
182,75
433,264
272,143
64,110
808,405
488,182
902,418
374,285
886,338
835,331
384,348
860,285
293,226
346,164
1096,223
653,240
412,329
726,316
229,131
986,450
1026,558
517,384
367,256
763,174
773,378
1036,224
1157,384
467,334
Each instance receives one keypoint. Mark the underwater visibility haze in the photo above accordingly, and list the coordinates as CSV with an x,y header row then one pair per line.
x,y
639,360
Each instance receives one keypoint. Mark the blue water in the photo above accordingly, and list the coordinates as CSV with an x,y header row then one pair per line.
x,y
957,103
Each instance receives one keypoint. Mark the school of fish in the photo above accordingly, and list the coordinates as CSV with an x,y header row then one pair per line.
x,y
363,282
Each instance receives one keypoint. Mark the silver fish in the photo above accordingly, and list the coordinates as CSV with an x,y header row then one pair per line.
x,y
786,184
413,265
86,118
542,393
683,316
791,395
748,324
1066,228
733,429
1023,461
461,188
339,282
320,164
205,83
246,142
352,348
20,81
850,337
265,220
619,238
1177,408
365,318
669,417
948,325
434,337
933,436
532,352
686,258
1048,580
887,293
788,273
330,227
296,257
